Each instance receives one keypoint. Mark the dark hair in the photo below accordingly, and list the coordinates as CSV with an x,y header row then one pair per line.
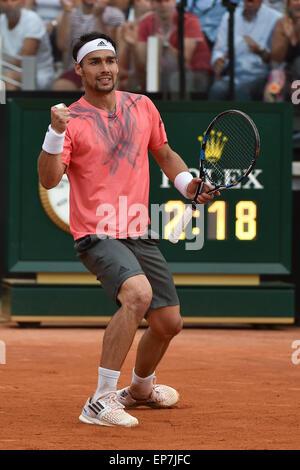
x,y
90,37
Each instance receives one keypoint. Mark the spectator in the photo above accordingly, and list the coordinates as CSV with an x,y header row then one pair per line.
x,y
23,33
127,40
209,14
254,26
285,54
164,23
48,10
91,15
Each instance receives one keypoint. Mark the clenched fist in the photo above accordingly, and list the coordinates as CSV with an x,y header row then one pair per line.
x,y
60,116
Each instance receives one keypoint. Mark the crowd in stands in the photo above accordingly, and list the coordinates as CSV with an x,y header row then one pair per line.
x,y
266,40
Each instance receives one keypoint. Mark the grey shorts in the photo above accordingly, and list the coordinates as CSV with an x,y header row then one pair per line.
x,y
113,261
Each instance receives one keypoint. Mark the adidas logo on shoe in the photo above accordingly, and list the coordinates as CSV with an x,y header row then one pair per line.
x,y
106,411
96,407
124,394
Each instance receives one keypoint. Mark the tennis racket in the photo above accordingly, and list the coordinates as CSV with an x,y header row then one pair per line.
x,y
231,141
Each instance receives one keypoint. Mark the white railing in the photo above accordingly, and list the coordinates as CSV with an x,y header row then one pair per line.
x,y
153,64
2,92
27,70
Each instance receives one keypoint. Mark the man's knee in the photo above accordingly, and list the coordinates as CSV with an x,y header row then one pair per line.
x,y
135,295
166,322
174,327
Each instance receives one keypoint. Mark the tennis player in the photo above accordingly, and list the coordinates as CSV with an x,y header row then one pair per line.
x,y
102,142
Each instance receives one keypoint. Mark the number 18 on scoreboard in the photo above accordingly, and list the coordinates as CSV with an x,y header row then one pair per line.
x,y
217,220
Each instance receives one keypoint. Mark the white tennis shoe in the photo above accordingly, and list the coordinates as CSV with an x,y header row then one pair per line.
x,y
106,411
161,396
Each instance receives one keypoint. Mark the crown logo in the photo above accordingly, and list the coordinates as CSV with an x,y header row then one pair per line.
x,y
214,146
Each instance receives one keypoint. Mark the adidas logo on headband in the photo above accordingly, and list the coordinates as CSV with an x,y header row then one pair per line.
x,y
94,45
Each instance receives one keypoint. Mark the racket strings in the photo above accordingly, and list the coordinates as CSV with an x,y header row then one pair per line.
x,y
230,149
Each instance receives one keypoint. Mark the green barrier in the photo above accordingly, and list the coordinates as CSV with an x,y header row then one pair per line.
x,y
246,231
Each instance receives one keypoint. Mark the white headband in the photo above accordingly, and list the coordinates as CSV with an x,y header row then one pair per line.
x,y
95,45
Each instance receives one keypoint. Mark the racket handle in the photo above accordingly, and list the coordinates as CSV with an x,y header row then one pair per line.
x,y
181,225
199,190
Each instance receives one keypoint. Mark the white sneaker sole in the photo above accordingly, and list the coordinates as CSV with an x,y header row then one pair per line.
x,y
86,420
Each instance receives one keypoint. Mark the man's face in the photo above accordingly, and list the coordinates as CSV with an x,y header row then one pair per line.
x,y
164,9
99,71
11,6
252,5
143,5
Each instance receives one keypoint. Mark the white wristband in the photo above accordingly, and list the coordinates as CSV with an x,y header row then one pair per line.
x,y
54,142
182,181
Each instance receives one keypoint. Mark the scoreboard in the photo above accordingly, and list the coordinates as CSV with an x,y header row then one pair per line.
x,y
245,231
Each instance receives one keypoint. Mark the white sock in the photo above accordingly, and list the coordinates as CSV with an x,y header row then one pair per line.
x,y
141,387
107,381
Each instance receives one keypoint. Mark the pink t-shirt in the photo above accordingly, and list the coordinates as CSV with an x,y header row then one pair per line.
x,y
108,168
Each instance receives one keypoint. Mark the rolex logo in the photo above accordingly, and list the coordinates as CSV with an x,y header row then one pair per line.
x,y
214,145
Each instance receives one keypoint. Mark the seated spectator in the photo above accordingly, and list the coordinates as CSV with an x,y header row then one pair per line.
x,y
127,51
49,11
91,15
23,33
285,55
163,22
209,14
254,26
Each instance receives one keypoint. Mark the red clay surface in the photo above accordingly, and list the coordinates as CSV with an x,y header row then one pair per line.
x,y
239,390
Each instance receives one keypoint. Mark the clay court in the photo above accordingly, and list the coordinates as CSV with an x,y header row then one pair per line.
x,y
239,390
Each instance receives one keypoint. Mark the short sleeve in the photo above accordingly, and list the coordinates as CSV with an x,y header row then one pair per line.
x,y
193,28
143,30
67,151
158,136
35,28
